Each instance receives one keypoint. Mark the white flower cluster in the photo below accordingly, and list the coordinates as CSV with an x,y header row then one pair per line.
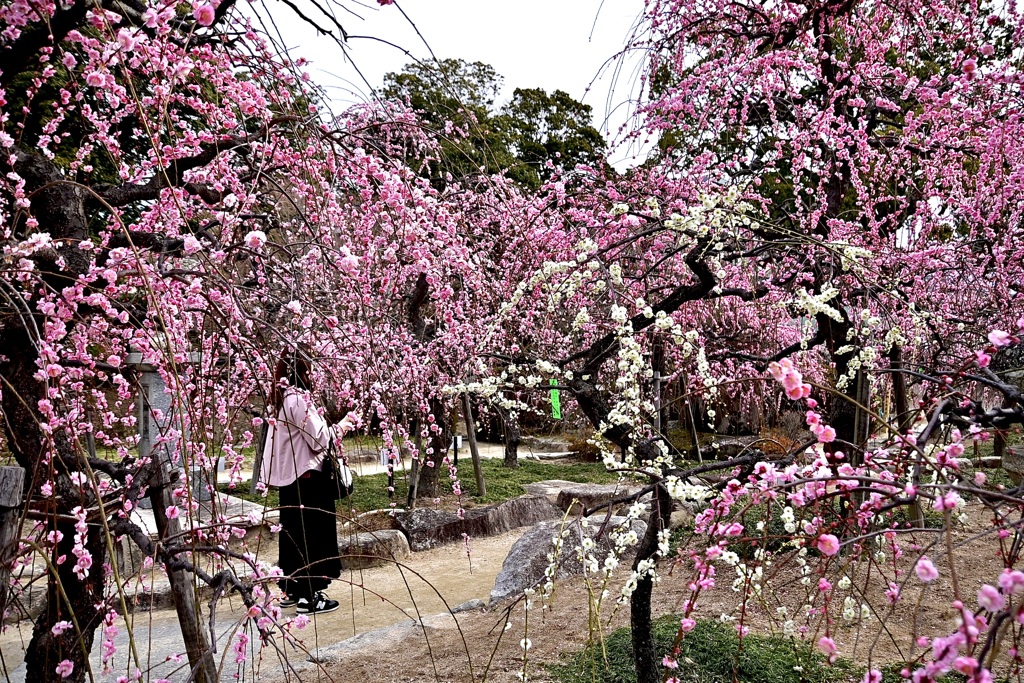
x,y
546,273
748,578
687,492
852,610
866,358
721,214
788,519
815,304
653,208
850,255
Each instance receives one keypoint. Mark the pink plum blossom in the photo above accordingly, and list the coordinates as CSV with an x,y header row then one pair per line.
x,y
999,338
827,544
828,646
255,239
990,598
925,570
204,14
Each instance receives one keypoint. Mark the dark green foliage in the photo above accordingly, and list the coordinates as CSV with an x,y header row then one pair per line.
x,y
711,653
540,128
456,99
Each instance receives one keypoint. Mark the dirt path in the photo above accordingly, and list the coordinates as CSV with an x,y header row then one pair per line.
x,y
429,583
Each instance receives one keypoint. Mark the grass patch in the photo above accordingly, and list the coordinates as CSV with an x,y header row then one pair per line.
x,y
501,483
711,653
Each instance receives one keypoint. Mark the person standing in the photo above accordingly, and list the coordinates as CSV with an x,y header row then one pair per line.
x,y
297,442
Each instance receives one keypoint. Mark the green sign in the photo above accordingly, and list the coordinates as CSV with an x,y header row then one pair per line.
x,y
556,401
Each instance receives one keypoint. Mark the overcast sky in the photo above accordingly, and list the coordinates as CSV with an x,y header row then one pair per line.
x,y
551,44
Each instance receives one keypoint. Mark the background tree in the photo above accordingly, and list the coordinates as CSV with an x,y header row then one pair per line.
x,y
457,100
549,134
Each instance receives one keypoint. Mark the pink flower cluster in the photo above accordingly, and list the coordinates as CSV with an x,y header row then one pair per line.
x,y
791,379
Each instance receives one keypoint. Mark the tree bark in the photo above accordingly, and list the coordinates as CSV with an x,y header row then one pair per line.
x,y
67,596
640,621
512,436
428,473
59,208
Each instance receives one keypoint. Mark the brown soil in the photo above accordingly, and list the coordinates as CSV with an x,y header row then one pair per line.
x,y
481,643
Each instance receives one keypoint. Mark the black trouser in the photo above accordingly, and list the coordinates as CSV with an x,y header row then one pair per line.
x,y
308,548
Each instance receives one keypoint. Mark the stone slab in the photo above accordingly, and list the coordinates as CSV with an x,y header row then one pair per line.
x,y
530,556
428,528
372,549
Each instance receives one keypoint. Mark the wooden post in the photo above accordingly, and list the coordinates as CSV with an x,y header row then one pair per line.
x,y
691,420
12,481
467,413
903,416
657,402
257,464
417,463
899,387
183,592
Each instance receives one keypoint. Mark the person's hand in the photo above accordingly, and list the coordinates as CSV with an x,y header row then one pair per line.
x,y
350,421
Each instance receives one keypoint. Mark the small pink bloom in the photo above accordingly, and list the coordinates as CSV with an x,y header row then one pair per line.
x,y
990,598
190,244
1011,581
982,358
980,478
946,501
828,646
95,79
255,239
970,65
925,570
999,338
204,14
687,625
669,663
60,627
966,665
65,668
873,676
827,435
172,512
828,544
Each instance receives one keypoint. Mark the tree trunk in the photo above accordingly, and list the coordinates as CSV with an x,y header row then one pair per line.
x,y
513,436
427,480
59,208
640,622
66,595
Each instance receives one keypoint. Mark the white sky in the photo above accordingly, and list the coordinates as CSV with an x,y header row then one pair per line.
x,y
550,44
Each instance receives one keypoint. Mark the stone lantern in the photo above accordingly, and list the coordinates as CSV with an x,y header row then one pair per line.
x,y
154,399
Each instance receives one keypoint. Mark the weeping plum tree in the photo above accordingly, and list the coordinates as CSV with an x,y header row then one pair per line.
x,y
170,195
834,180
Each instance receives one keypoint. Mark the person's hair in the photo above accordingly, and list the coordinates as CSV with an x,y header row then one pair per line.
x,y
293,370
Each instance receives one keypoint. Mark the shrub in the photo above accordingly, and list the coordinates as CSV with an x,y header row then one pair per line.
x,y
711,653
